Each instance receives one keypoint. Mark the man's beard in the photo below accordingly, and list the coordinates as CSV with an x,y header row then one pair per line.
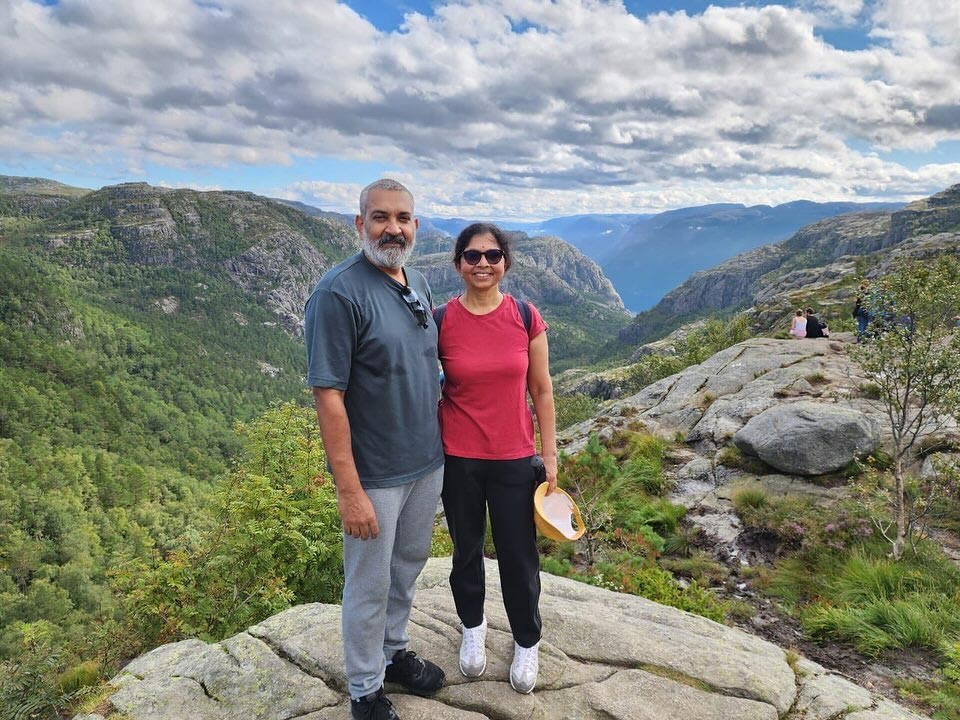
x,y
388,256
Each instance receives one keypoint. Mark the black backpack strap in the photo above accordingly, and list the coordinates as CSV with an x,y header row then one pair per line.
x,y
524,307
438,313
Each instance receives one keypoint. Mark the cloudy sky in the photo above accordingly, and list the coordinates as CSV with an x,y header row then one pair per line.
x,y
488,108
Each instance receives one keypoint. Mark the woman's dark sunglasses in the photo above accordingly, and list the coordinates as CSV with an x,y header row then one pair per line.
x,y
472,257
412,300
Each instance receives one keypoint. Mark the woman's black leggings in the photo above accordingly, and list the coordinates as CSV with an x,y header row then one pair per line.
x,y
505,487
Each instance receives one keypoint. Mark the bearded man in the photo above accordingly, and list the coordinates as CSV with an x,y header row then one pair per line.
x,y
372,363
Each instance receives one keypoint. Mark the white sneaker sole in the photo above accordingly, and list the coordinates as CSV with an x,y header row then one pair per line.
x,y
521,690
473,675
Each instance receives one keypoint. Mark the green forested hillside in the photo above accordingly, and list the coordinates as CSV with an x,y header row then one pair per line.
x,y
122,377
138,327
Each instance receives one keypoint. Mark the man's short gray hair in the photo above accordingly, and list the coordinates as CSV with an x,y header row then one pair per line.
x,y
382,184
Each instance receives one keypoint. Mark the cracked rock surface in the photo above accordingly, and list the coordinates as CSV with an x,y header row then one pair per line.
x,y
604,655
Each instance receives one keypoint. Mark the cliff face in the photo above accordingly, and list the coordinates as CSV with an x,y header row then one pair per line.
x,y
578,302
546,271
266,248
816,262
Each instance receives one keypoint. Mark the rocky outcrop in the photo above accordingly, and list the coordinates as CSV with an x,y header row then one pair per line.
x,y
808,438
545,271
35,197
936,214
282,268
604,656
710,402
738,390
265,247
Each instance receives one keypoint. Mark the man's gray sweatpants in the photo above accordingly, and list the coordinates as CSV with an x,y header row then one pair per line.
x,y
380,578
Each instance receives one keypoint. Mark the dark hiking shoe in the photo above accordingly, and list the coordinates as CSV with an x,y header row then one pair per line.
x,y
419,676
375,706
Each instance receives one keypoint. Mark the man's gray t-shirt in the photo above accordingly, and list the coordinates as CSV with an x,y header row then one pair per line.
x,y
362,338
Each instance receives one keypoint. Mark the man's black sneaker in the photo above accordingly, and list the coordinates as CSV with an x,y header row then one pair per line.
x,y
375,706
419,676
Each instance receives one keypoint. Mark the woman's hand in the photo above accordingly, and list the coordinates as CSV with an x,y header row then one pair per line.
x,y
550,465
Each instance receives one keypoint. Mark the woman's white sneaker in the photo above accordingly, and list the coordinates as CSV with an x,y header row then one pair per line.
x,y
524,669
473,654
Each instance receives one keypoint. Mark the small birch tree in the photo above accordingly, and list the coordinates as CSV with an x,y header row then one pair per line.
x,y
912,356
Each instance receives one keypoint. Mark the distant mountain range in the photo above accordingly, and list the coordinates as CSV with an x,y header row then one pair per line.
x,y
658,253
817,266
647,255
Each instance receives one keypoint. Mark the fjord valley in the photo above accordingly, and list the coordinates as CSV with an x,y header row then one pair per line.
x,y
162,478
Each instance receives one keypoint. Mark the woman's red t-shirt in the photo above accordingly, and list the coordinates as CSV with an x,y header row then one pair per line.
x,y
484,413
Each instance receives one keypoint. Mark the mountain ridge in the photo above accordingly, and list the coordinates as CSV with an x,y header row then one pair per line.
x,y
827,254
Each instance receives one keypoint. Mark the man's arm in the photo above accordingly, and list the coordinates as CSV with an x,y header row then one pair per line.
x,y
356,511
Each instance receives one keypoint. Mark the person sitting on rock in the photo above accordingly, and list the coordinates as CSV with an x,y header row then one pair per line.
x,y
814,329
798,328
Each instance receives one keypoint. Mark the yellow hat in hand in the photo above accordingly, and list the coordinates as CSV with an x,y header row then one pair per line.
x,y
556,515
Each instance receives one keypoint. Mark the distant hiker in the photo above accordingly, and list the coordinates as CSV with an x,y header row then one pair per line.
x,y
494,350
798,328
813,325
372,364
860,312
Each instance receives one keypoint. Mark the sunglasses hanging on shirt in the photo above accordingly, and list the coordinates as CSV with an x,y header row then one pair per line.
x,y
413,302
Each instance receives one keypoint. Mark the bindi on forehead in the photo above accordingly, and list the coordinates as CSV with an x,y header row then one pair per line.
x,y
483,242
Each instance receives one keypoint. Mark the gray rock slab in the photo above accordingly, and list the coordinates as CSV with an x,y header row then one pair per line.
x,y
884,710
723,527
808,438
604,656
778,486
622,695
600,626
239,677
826,696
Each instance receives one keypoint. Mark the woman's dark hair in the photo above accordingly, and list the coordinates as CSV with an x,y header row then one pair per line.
x,y
471,231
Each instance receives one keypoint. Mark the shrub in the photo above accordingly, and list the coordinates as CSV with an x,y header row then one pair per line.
x,y
681,541
697,567
573,409
749,499
642,578
870,390
441,544
274,540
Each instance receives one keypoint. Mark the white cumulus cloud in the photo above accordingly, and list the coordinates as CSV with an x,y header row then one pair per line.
x,y
535,108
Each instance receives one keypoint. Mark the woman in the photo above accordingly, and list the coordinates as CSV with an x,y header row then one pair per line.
x,y
491,359
799,326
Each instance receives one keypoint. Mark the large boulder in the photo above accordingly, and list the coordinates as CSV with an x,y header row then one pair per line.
x,y
808,438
